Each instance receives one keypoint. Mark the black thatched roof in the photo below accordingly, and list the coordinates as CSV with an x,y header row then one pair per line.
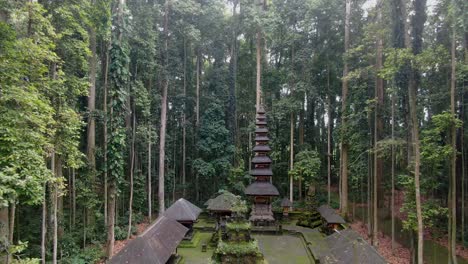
x,y
207,202
261,172
261,160
223,202
261,130
155,245
262,139
330,215
261,189
262,148
348,247
183,210
261,122
286,202
261,109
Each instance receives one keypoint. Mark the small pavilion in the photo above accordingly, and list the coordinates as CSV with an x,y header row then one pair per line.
x,y
222,205
185,213
286,205
332,220
347,246
157,245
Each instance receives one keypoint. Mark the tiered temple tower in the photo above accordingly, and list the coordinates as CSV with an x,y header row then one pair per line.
x,y
261,189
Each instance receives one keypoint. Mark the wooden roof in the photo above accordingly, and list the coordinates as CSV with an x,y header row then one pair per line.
x,y
330,215
286,202
223,202
261,189
155,245
261,160
261,172
347,246
183,210
261,148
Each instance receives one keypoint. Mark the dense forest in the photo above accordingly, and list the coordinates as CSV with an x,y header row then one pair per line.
x,y
111,110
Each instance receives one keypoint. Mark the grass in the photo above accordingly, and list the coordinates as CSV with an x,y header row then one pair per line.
x,y
238,226
192,243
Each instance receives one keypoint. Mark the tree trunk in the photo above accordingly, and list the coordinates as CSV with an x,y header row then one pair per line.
x,y
419,18
453,160
54,210
111,220
197,123
378,129
259,69
329,146
393,174
149,174
291,159
91,142
4,232
344,95
132,165
106,75
44,225
162,138
184,133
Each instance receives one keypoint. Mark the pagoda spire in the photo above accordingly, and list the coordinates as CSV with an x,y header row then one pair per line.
x,y
262,190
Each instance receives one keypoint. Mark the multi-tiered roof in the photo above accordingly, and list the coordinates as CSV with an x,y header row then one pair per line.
x,y
262,188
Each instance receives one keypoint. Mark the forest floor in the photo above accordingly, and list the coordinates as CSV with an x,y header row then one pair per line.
x,y
402,254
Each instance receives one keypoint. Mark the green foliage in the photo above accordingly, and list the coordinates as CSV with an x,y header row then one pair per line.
x,y
238,249
307,167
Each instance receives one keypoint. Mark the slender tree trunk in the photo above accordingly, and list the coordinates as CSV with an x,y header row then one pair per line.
x,y
111,221
91,142
301,143
4,232
54,211
162,138
149,174
73,197
132,165
184,133
291,159
329,146
106,75
44,225
393,174
11,227
259,69
377,132
197,123
344,95
453,161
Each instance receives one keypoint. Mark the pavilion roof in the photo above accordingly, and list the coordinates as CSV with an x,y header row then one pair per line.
x,y
286,202
261,189
330,215
261,172
261,148
261,160
155,245
346,246
183,210
223,202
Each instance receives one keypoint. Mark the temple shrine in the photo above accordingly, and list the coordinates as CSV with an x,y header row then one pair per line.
x,y
262,190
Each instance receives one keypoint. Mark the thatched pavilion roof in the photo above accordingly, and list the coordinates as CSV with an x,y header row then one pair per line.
x,y
261,189
347,246
286,202
330,215
183,210
155,245
223,202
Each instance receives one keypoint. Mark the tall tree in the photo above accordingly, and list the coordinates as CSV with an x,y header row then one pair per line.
x,y
165,85
344,97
